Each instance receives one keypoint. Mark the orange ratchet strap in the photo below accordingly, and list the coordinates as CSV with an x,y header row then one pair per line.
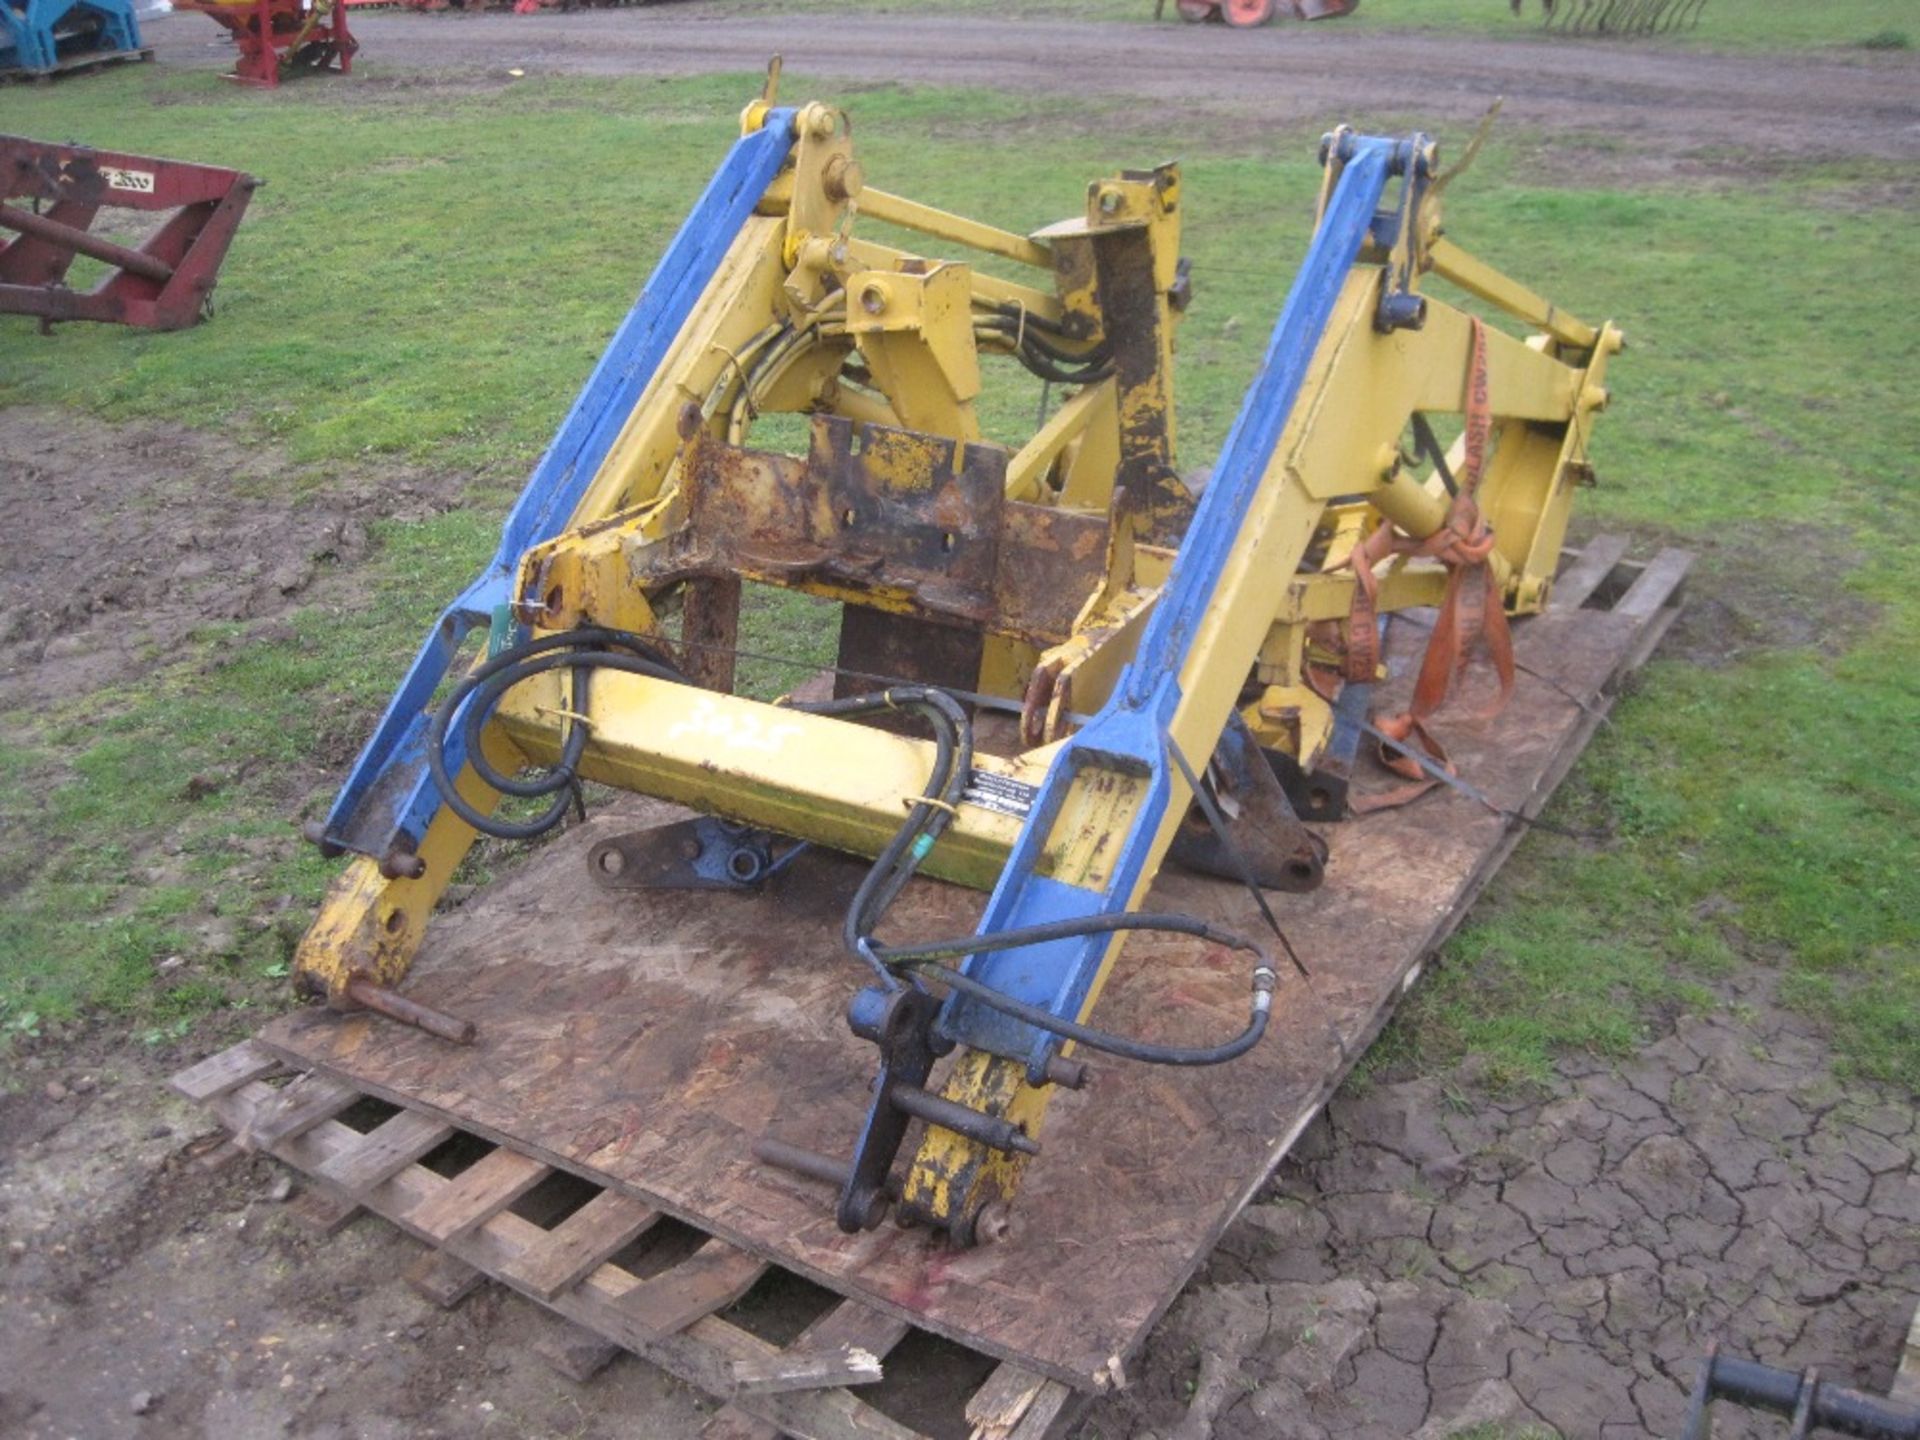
x,y
1472,609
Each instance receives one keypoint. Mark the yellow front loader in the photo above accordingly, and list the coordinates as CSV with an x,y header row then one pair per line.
x,y
1074,665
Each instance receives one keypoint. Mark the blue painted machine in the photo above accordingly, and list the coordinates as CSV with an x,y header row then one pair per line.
x,y
43,37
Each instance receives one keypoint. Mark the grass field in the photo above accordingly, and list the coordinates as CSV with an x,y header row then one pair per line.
x,y
1722,24
431,272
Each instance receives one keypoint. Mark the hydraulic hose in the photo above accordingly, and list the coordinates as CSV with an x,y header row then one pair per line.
x,y
583,651
925,959
925,822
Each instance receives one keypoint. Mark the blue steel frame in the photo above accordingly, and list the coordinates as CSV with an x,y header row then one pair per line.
x,y
1130,734
389,798
29,40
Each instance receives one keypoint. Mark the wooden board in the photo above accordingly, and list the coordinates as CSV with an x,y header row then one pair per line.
x,y
646,1042
1906,1382
583,1242
692,1342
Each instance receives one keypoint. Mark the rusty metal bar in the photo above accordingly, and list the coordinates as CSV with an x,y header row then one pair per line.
x,y
52,231
382,1001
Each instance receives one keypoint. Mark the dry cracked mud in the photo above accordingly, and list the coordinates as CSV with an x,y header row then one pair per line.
x,y
1434,1257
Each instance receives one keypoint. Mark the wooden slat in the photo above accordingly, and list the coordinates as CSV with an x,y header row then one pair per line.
x,y
854,1323
797,1369
733,1423
477,1194
1001,1407
845,1346
710,1279
389,1147
1037,1423
575,1351
582,1242
444,1279
320,1212
304,1103
1656,585
701,1355
229,1070
217,1156
1588,573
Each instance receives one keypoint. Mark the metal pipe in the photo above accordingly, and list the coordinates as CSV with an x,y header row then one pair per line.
x,y
944,225
52,231
986,1129
1410,504
382,1001
809,1163
1803,1397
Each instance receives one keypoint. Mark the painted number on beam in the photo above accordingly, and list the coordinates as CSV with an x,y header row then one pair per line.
x,y
743,732
140,182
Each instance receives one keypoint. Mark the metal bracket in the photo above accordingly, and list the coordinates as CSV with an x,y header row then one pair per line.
x,y
1806,1401
1270,841
704,853
900,1022
1320,794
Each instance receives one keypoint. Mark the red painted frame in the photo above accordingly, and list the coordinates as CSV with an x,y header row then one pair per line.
x,y
72,184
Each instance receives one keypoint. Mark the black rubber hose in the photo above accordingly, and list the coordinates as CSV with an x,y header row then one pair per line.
x,y
1106,1041
1034,320
925,822
1049,362
925,958
582,650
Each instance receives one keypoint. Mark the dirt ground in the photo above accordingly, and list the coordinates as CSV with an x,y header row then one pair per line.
x,y
1437,1256
1434,1257
76,612
1670,104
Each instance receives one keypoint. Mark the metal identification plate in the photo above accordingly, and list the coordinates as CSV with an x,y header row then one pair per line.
x,y
140,182
992,791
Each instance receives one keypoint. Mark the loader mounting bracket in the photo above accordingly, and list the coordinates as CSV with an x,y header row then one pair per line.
x,y
704,853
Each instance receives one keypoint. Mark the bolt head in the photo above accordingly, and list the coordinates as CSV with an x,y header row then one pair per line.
x,y
993,1225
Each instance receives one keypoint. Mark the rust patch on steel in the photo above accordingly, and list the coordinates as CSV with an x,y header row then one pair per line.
x,y
919,520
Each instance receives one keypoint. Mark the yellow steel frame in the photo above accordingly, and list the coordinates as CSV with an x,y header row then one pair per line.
x,y
798,269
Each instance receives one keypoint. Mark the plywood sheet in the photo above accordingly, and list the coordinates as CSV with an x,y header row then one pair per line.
x,y
647,1041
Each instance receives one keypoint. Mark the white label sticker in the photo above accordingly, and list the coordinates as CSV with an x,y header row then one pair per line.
x,y
991,791
140,182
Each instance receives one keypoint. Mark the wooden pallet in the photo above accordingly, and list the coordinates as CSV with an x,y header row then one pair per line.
x,y
643,1045
79,63
669,1314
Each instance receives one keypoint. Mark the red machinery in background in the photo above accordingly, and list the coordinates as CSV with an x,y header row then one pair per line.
x,y
164,283
282,35
1248,13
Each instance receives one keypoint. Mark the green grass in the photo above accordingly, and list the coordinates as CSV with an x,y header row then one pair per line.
x,y
432,270
1723,24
